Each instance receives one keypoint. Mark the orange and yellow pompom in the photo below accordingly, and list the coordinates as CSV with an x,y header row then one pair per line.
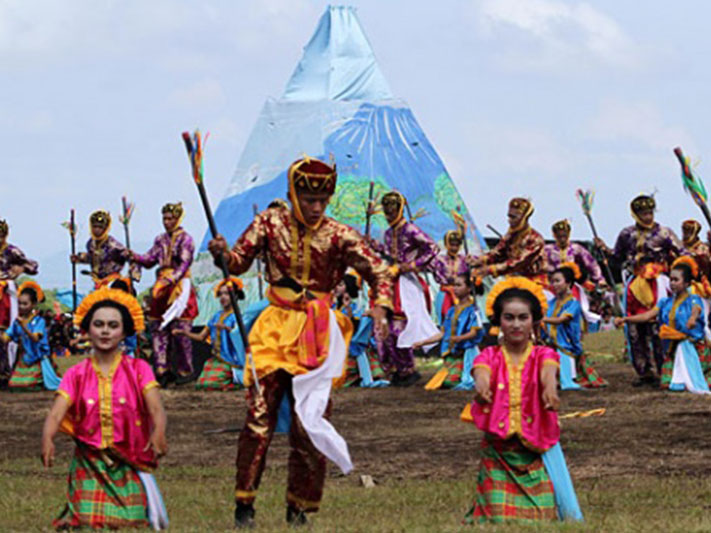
x,y
115,295
515,282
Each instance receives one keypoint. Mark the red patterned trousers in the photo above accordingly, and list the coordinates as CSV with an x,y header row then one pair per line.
x,y
307,466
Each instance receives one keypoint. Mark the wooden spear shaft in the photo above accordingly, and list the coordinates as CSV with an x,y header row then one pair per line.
x,y
72,231
222,263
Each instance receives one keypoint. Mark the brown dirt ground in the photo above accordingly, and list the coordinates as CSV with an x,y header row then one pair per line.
x,y
414,434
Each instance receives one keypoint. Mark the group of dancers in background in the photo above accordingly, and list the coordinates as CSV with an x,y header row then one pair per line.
x,y
313,331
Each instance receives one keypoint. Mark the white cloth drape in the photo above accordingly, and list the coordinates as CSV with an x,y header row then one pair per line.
x,y
311,393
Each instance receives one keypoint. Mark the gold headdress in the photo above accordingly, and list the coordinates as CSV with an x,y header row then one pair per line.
x,y
452,234
176,210
573,267
395,197
561,225
4,228
523,206
688,261
692,226
33,285
101,218
115,295
516,282
310,175
233,281
642,202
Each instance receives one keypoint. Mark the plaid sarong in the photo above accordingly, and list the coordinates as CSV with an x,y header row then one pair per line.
x,y
454,364
352,377
668,365
215,375
512,485
26,378
587,376
103,493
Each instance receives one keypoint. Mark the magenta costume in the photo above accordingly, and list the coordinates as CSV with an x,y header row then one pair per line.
x,y
173,253
405,243
574,253
516,408
110,412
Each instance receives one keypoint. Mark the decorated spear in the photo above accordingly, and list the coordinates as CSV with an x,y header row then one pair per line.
x,y
693,185
125,218
194,147
586,202
127,209
259,262
71,226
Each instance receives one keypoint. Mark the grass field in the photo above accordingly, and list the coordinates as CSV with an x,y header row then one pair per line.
x,y
643,466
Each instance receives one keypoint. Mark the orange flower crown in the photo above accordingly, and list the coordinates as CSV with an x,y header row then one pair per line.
x,y
233,281
29,284
115,295
574,267
688,261
515,282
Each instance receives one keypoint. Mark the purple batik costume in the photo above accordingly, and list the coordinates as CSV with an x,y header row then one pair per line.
x,y
107,258
173,253
660,245
574,253
405,243
10,256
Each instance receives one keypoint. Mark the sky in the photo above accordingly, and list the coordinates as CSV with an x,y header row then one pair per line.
x,y
520,97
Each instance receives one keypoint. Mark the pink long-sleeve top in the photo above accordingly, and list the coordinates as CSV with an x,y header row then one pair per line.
x,y
516,408
110,412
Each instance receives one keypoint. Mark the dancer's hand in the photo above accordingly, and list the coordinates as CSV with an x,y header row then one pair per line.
x,y
217,247
158,443
47,453
550,398
619,321
380,321
482,391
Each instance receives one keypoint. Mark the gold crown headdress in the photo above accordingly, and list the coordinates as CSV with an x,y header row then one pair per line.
x,y
32,285
115,295
688,261
577,274
516,282
232,281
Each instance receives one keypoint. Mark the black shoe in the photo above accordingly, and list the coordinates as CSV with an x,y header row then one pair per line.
x,y
295,518
410,379
244,516
164,379
647,379
182,380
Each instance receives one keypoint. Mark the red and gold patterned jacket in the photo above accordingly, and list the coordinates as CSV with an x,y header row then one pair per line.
x,y
316,259
518,253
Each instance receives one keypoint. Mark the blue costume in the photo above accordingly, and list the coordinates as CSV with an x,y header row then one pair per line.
x,y
33,353
459,358
575,371
683,347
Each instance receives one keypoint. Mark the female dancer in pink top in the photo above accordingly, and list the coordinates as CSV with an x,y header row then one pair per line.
x,y
110,405
516,403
